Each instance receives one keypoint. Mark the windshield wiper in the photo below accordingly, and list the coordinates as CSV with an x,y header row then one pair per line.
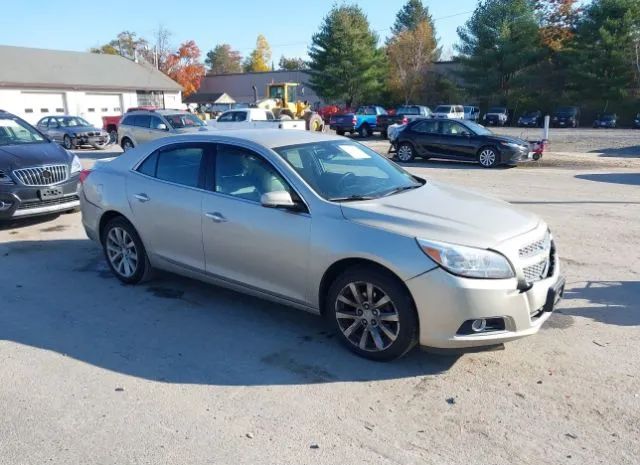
x,y
351,198
400,189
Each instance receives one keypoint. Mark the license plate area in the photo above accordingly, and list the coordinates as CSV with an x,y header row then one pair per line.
x,y
50,193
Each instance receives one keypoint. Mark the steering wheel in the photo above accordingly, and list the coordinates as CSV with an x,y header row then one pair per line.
x,y
345,179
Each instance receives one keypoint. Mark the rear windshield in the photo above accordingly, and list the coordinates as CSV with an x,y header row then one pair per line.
x,y
408,110
14,131
443,109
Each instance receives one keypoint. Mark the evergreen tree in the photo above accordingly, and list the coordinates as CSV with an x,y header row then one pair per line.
x,y
224,60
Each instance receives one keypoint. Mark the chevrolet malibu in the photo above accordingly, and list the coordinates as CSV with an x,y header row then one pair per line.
x,y
325,224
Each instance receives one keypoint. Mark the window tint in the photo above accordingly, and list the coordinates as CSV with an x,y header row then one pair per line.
x,y
148,166
240,116
226,117
451,128
155,121
43,122
427,127
180,165
143,121
244,174
128,120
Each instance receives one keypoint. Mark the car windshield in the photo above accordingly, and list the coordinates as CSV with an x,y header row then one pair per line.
x,y
13,131
408,111
478,128
608,117
530,114
443,109
184,120
347,171
565,111
497,110
71,121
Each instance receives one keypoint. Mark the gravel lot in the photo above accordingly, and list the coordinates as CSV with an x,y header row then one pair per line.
x,y
178,372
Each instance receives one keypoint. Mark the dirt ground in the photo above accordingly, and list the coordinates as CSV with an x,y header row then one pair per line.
x,y
178,372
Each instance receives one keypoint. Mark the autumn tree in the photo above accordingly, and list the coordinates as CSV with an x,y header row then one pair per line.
x,y
558,19
410,54
291,64
260,58
224,60
184,67
345,62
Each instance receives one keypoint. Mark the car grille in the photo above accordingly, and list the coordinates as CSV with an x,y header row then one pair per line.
x,y
48,202
42,175
538,257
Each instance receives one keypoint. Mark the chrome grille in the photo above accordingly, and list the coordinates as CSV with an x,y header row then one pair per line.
x,y
536,258
42,175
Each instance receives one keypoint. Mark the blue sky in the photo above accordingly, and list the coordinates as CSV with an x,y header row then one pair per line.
x,y
288,25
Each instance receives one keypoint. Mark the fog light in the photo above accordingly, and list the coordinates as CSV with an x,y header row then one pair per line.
x,y
4,205
479,325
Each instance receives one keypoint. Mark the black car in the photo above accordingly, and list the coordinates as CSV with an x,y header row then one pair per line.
x,y
37,176
606,120
73,131
636,121
531,119
458,140
566,117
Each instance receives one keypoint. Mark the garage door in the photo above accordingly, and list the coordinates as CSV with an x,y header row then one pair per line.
x,y
95,106
39,104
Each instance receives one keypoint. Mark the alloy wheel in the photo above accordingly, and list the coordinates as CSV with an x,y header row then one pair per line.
x,y
367,317
487,158
122,252
405,153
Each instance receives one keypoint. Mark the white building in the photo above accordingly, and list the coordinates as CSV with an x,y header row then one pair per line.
x,y
35,83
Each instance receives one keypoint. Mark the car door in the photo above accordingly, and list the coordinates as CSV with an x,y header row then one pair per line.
x,y
165,193
426,137
456,140
141,130
262,248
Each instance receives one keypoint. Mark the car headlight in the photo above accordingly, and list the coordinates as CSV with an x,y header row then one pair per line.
x,y
76,166
512,145
555,118
469,262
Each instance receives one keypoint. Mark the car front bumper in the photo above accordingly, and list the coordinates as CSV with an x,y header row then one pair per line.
x,y
18,201
445,303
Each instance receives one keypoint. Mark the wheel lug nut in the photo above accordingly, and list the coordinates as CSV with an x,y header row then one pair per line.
x,y
359,312
374,322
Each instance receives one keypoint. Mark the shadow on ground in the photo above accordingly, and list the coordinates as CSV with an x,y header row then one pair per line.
x,y
9,225
632,179
621,152
610,302
172,329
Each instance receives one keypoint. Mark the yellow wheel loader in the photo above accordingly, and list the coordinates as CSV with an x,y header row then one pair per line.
x,y
282,100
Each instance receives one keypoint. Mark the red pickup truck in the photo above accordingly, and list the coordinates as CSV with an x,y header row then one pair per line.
x,y
110,123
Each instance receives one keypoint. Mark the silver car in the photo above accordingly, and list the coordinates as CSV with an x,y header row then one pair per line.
x,y
327,225
138,127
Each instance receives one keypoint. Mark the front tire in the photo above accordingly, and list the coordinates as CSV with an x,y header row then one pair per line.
x,y
406,152
373,313
488,157
67,142
125,252
127,144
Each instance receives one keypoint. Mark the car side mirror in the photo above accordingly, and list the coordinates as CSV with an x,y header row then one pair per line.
x,y
277,199
162,127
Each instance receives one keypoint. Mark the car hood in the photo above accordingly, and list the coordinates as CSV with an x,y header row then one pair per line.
x,y
440,212
191,130
78,129
27,155
509,139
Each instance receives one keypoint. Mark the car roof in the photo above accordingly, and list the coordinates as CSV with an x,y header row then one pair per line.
x,y
157,112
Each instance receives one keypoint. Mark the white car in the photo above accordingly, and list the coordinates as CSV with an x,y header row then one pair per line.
x,y
449,112
252,118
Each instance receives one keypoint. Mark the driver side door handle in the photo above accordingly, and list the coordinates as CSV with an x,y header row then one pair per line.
x,y
217,217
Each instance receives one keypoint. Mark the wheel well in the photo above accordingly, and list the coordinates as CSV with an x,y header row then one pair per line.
x,y
342,265
106,217
488,146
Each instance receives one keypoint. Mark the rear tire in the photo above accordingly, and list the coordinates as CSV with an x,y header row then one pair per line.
x,y
67,142
340,132
405,153
125,252
314,122
378,321
127,144
384,134
364,131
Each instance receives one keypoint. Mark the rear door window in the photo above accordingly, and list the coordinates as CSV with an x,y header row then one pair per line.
x,y
426,127
181,165
143,121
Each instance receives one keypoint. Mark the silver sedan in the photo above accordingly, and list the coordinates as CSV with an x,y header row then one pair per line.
x,y
325,224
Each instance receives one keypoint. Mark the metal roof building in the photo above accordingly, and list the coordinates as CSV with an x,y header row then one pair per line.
x,y
37,82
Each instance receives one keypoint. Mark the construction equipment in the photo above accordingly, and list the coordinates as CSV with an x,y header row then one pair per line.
x,y
282,100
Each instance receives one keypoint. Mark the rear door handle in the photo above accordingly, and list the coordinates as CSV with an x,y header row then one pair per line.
x,y
142,197
216,217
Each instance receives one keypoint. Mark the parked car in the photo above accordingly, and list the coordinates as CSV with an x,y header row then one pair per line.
x,y
138,127
496,116
73,131
364,121
459,140
110,123
449,112
531,119
471,113
246,118
402,115
606,120
566,117
37,175
327,225
636,121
